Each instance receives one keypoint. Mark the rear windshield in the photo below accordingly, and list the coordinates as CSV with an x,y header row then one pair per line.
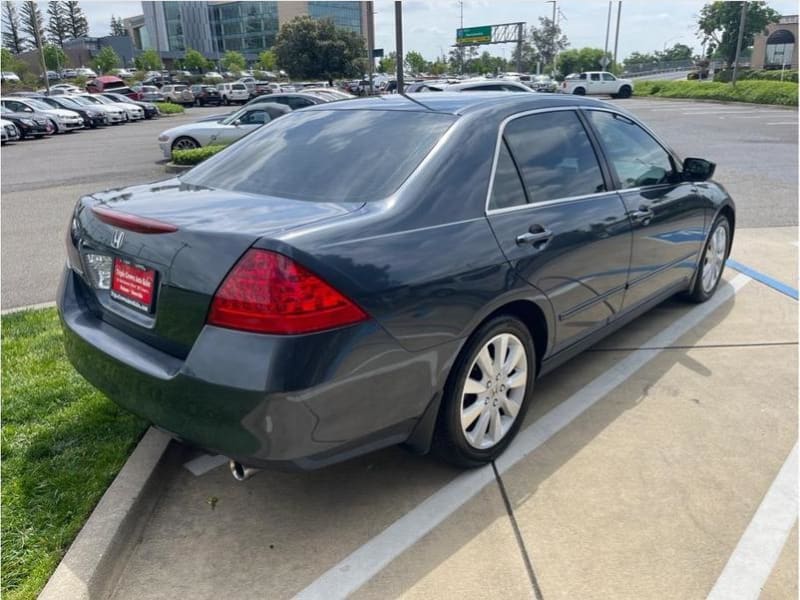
x,y
326,155
239,86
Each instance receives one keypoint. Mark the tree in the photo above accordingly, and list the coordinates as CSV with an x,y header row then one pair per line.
x,y
585,59
54,57
117,26
415,62
676,53
388,64
307,48
719,26
148,60
57,23
13,38
267,60
106,60
31,22
548,40
194,61
78,25
233,61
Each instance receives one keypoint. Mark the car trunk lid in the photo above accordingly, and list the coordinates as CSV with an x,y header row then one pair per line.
x,y
180,239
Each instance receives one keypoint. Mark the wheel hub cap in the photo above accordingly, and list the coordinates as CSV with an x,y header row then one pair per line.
x,y
493,391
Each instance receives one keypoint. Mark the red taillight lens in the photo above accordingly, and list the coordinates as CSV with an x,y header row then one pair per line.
x,y
132,222
266,292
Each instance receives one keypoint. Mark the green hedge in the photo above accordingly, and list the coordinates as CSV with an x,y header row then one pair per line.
x,y
726,75
759,92
168,108
195,155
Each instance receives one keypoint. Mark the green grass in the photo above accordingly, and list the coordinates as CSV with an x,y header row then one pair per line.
x,y
169,108
755,91
195,155
772,75
62,444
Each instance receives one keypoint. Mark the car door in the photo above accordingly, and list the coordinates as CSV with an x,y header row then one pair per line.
x,y
594,84
557,222
667,212
609,83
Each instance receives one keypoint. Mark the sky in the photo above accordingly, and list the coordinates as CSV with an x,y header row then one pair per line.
x,y
430,27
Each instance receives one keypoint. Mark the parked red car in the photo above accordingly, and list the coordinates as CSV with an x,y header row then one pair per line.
x,y
111,83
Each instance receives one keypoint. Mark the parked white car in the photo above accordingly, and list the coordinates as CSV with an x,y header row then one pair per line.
x,y
62,120
489,85
115,115
213,75
10,76
85,72
225,131
233,92
123,73
597,82
10,133
132,112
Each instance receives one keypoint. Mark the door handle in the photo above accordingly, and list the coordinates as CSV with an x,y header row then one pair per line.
x,y
537,236
644,215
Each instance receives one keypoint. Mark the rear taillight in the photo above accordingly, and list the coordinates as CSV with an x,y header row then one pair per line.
x,y
131,222
266,292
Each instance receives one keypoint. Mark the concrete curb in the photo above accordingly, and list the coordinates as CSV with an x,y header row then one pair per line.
x,y
16,309
710,101
95,560
171,167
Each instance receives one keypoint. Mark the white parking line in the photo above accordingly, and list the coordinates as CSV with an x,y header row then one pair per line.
x,y
367,561
784,123
757,552
203,464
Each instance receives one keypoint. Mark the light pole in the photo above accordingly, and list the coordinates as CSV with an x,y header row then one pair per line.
x,y
616,34
742,21
553,22
398,43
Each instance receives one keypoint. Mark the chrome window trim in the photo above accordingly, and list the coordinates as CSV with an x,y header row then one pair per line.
x,y
501,130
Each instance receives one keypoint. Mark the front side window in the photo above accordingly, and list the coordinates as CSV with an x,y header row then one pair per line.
x,y
608,77
254,117
636,157
554,156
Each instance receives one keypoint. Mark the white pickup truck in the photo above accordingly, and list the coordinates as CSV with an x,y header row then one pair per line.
x,y
597,82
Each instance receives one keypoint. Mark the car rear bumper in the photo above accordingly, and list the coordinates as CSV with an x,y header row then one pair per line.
x,y
268,401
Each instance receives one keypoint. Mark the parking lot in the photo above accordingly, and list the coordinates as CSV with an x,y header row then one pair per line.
x,y
638,473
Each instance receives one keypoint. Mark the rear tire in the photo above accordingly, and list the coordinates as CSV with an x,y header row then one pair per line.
x,y
712,261
485,398
579,91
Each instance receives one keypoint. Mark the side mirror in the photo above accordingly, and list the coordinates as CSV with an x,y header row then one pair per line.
x,y
698,169
237,122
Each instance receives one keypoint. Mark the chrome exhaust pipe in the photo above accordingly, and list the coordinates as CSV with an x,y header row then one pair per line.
x,y
240,472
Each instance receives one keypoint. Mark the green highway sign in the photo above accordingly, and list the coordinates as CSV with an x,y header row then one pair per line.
x,y
474,35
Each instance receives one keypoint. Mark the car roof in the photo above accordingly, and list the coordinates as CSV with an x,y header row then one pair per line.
x,y
461,103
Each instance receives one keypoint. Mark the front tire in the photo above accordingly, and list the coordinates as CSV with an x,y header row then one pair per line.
x,y
712,262
624,92
487,393
185,143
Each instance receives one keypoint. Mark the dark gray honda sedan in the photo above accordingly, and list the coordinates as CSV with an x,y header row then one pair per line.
x,y
382,271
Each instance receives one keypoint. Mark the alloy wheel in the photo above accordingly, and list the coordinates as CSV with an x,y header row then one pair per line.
x,y
714,259
493,391
184,144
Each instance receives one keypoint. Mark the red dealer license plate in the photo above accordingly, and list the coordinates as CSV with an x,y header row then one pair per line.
x,y
133,285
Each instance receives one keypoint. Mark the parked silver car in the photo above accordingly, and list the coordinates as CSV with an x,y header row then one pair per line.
x,y
178,93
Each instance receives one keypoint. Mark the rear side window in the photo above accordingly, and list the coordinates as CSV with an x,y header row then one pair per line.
x,y
637,158
296,103
595,76
326,155
507,188
554,156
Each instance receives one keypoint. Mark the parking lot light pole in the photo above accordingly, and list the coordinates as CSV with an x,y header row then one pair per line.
x,y
370,43
398,43
742,20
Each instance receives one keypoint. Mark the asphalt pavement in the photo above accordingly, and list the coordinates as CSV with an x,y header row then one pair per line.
x,y
41,181
755,148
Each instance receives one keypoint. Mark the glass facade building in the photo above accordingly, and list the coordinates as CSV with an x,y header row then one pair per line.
x,y
172,18
243,26
346,15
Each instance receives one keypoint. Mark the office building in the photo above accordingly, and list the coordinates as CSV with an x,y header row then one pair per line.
x,y
213,28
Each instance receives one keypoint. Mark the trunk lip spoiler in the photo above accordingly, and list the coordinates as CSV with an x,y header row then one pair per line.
x,y
131,222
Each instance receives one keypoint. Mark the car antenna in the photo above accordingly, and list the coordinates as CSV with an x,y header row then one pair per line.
x,y
425,106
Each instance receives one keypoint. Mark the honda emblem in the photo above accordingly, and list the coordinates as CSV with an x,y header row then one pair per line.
x,y
119,237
